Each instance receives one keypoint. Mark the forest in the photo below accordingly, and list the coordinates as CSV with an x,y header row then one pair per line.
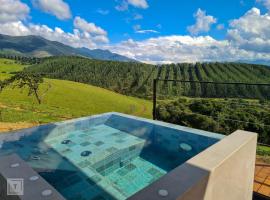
x,y
218,115
221,108
136,79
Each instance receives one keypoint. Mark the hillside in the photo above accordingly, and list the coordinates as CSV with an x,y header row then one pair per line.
x,y
8,66
62,100
219,115
136,79
36,46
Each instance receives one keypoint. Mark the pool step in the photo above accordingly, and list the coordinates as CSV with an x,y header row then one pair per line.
x,y
31,186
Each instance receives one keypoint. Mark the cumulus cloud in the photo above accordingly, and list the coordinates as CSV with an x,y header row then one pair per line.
x,y
251,31
123,6
91,28
248,40
203,22
248,37
84,34
76,38
58,8
13,10
180,49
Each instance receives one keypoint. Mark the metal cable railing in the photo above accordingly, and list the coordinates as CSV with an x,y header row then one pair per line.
x,y
232,96
257,100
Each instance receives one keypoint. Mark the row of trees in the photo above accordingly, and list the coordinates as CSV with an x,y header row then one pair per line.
x,y
22,59
136,78
122,77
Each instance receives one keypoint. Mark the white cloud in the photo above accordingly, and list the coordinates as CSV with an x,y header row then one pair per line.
x,y
147,31
137,17
181,49
103,12
266,3
159,26
75,39
85,34
220,26
138,3
203,22
58,8
248,40
91,36
123,6
90,28
251,31
138,29
13,10
14,29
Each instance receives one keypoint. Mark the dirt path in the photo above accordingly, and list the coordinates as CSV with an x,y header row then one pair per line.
x,y
6,126
142,111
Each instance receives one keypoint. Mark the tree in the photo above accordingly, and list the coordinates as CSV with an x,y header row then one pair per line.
x,y
22,80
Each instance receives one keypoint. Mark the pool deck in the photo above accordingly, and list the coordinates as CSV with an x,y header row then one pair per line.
x,y
13,168
262,179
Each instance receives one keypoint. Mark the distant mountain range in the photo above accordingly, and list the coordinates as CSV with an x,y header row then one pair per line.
x,y
36,46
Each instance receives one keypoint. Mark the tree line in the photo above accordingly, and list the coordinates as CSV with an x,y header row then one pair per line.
x,y
22,59
136,79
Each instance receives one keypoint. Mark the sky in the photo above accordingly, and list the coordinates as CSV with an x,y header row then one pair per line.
x,y
152,31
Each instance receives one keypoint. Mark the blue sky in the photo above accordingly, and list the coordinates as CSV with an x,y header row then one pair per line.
x,y
187,30
173,17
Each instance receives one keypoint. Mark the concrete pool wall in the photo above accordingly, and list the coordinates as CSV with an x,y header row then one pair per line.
x,y
221,172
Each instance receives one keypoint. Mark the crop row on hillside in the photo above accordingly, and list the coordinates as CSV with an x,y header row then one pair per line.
x,y
136,78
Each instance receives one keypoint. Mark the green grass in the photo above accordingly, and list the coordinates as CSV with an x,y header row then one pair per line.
x,y
265,149
64,100
8,66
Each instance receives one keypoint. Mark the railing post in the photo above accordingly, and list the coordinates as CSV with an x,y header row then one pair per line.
x,y
154,99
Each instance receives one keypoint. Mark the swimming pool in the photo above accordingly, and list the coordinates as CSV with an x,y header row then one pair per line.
x,y
110,156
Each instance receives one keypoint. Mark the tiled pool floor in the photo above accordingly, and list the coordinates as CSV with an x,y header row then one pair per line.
x,y
114,165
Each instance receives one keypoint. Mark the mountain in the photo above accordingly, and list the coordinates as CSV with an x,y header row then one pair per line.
x,y
36,46
104,55
258,62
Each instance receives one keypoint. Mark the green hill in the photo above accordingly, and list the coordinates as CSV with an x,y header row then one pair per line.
x,y
63,100
136,78
36,46
8,66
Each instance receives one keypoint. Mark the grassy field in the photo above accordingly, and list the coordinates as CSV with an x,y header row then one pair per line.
x,y
8,66
61,100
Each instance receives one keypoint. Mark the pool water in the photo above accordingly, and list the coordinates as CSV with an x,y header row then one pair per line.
x,y
105,157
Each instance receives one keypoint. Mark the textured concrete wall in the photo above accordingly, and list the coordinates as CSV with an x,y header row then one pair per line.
x,y
221,172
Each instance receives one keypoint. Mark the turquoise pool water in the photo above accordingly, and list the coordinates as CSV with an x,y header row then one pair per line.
x,y
110,156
